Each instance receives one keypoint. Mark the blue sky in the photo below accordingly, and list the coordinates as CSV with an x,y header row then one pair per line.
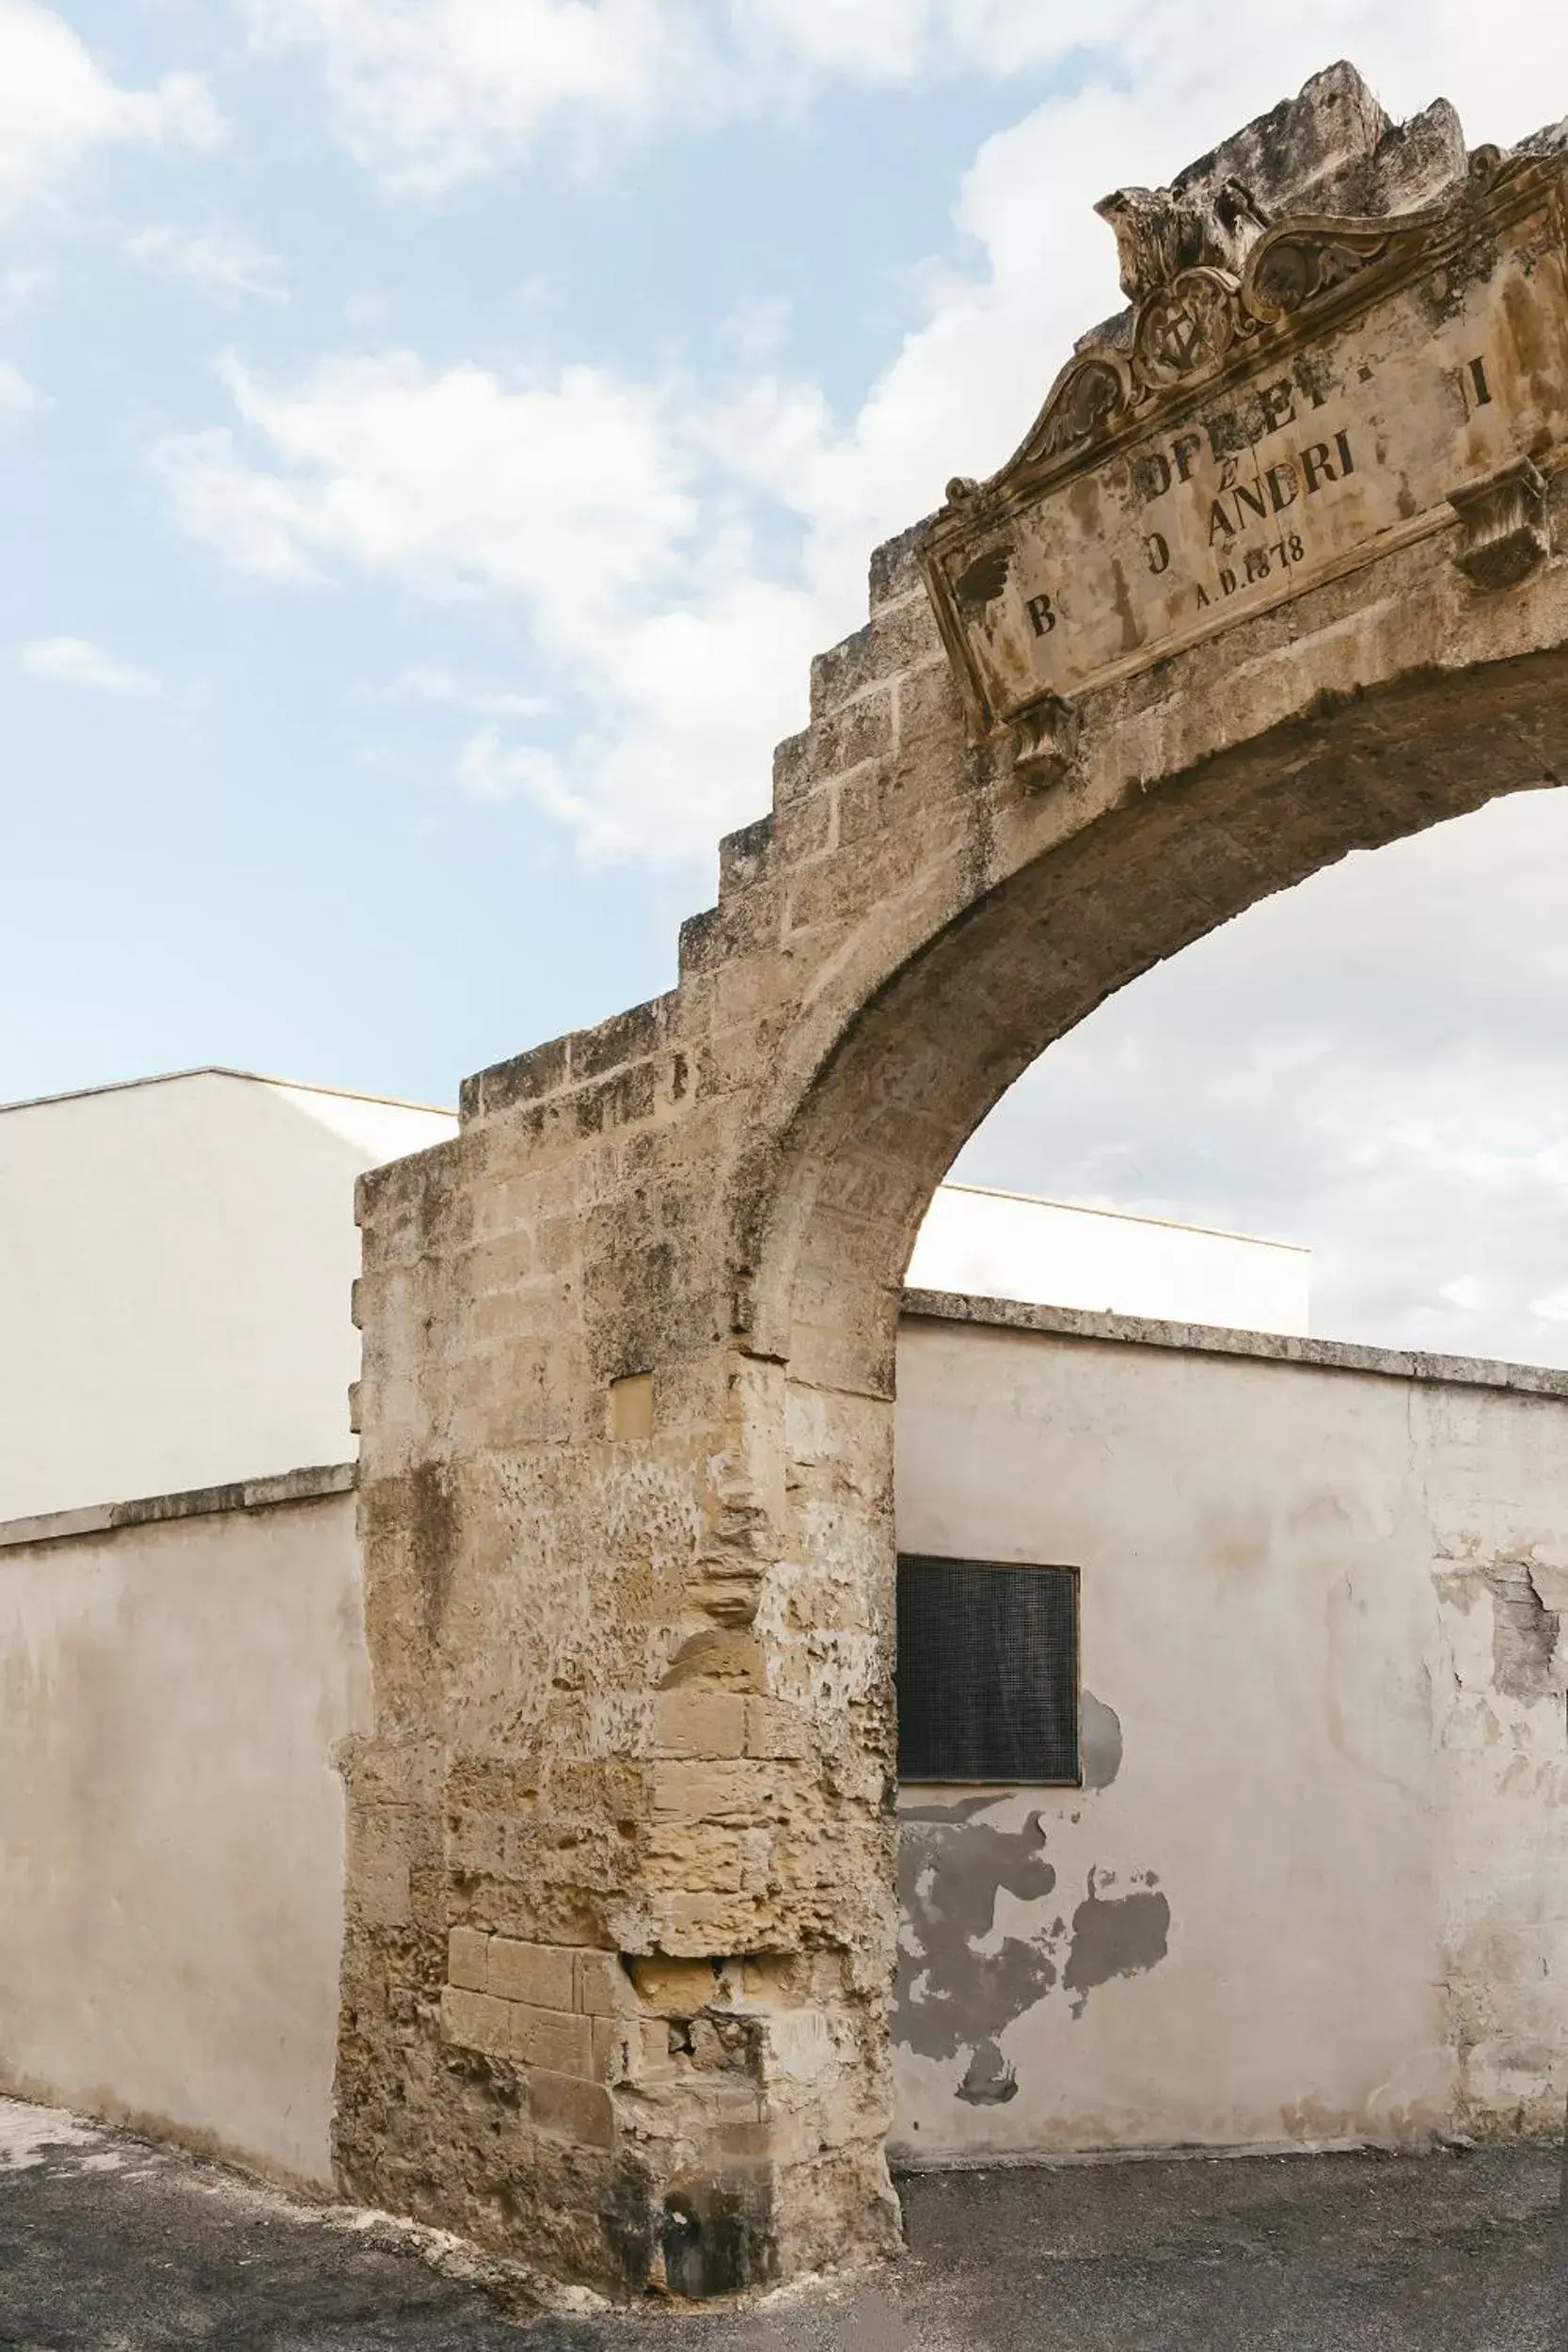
x,y
434,434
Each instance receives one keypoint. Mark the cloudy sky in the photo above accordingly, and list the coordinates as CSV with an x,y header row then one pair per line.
x,y
436,433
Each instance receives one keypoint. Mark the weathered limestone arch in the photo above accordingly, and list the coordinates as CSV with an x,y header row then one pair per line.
x,y
620,1910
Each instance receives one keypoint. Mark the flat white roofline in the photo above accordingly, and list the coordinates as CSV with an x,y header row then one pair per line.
x,y
220,1069
1214,1338
1126,1217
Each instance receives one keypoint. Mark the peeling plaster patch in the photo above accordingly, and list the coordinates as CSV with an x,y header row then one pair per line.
x,y
991,2081
949,1996
1099,1742
1524,1636
1115,1935
1528,1655
961,1809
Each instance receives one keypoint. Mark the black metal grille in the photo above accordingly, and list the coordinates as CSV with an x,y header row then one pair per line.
x,y
987,1671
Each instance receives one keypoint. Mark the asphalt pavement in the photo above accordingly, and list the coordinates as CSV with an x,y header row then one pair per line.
x,y
108,2243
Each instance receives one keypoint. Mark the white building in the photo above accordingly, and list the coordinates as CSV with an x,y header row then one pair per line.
x,y
175,1263
1053,1253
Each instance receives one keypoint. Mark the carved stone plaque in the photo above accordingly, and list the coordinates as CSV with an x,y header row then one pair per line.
x,y
1261,432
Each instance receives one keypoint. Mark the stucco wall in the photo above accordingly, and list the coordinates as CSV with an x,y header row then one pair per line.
x,y
171,1822
1315,1887
176,1263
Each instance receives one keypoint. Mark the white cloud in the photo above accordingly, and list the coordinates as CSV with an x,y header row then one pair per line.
x,y
219,260
636,526
428,92
561,490
76,662
22,283
57,104
431,92
1371,1064
598,507
488,768
18,398
428,682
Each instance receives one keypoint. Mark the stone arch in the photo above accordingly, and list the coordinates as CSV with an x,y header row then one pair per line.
x,y
931,1049
619,1912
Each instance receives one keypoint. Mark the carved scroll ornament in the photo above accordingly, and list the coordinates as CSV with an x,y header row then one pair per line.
x,y
1210,277
1334,389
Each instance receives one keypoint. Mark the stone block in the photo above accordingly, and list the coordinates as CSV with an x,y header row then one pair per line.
x,y
695,1857
632,1407
618,1101
526,1078
543,1974
895,569
570,2108
773,1729
709,1923
476,1844
734,1657
902,636
742,855
475,2021
560,2040
831,746
803,829
625,1037
613,2040
693,1721
602,1987
379,1868
652,2059
738,1791
675,1987
466,1950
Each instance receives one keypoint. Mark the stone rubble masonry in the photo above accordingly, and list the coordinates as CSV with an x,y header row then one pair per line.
x,y
626,1489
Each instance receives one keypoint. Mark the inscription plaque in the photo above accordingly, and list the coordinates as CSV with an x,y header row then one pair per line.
x,y
1261,431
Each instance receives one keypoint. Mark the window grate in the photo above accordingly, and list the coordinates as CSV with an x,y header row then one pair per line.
x,y
987,1672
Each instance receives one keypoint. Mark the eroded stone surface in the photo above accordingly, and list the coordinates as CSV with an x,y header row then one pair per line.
x,y
1353,386
632,1643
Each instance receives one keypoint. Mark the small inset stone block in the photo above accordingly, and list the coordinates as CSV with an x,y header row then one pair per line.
x,y
540,1973
465,1959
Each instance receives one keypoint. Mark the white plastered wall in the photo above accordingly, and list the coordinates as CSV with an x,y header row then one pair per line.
x,y
171,1823
1327,1726
1323,1892
176,1261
